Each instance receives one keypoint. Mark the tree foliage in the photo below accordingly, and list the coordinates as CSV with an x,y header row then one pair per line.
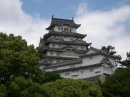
x,y
109,49
126,62
118,85
20,75
18,59
71,88
51,76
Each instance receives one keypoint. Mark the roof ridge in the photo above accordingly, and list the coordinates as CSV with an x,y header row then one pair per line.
x,y
63,19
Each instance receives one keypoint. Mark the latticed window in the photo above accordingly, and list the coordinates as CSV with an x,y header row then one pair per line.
x,y
58,54
72,66
91,69
51,53
71,39
58,61
82,47
53,69
67,73
53,45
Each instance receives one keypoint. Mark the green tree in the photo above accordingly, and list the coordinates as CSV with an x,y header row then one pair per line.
x,y
51,76
3,91
71,88
109,49
22,87
118,85
18,59
126,62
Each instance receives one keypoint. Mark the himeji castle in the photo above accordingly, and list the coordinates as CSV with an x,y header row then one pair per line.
x,y
66,53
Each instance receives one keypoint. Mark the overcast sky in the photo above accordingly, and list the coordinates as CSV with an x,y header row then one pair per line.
x,y
106,22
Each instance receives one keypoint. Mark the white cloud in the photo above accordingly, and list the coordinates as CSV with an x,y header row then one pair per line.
x,y
14,20
102,27
105,27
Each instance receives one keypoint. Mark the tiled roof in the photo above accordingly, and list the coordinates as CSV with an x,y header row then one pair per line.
x,y
63,34
68,42
98,51
57,21
63,48
75,61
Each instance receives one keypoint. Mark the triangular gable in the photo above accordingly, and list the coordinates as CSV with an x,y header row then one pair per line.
x,y
70,48
91,51
108,65
107,61
79,41
56,39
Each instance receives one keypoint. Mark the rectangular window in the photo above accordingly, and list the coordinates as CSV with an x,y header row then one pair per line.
x,y
67,73
82,47
54,69
64,29
91,69
51,53
59,45
58,54
53,45
82,71
91,57
72,66
58,61
71,39
59,28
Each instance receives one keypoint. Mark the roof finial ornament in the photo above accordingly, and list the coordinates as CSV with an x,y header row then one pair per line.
x,y
72,18
52,16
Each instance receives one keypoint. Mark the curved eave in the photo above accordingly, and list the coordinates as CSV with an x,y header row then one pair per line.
x,y
64,34
75,68
69,43
61,50
52,25
60,57
65,63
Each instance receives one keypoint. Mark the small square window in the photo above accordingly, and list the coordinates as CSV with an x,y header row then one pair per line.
x,y
82,71
58,61
51,53
82,47
53,69
91,69
64,29
67,73
53,45
91,57
72,66
71,39
58,54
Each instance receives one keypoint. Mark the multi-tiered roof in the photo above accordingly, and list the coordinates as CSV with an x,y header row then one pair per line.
x,y
62,42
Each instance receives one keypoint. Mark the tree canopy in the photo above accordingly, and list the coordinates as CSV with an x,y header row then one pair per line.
x,y
71,88
18,59
126,62
118,85
109,49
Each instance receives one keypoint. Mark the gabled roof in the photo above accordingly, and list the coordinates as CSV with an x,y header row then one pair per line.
x,y
63,48
74,61
106,60
57,21
63,34
68,43
98,51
